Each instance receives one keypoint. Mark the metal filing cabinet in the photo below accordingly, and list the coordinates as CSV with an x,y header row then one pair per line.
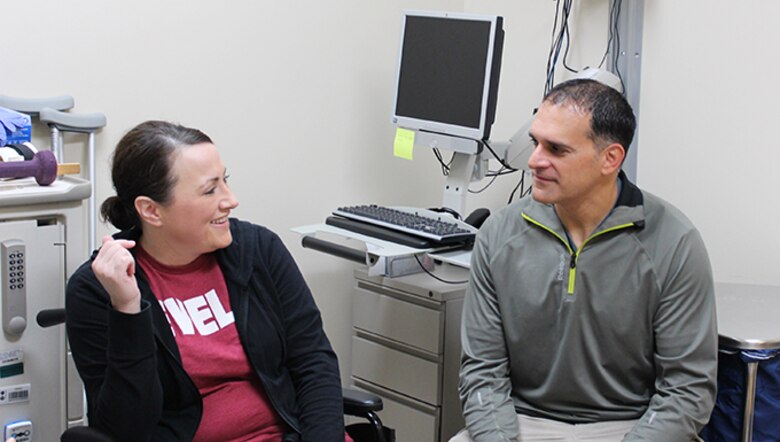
x,y
42,241
406,349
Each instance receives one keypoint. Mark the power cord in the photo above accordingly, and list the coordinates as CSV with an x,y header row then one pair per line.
x,y
614,17
436,277
445,210
562,11
445,167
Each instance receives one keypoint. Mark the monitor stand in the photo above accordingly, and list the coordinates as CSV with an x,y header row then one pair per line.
x,y
456,187
462,172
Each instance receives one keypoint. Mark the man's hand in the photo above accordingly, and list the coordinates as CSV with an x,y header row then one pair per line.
x,y
114,267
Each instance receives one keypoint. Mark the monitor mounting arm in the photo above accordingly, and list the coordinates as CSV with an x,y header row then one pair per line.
x,y
516,152
469,161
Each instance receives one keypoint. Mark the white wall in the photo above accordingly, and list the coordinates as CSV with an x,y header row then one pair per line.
x,y
707,108
706,140
298,97
528,26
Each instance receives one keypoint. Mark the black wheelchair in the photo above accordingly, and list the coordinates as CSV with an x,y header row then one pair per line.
x,y
356,403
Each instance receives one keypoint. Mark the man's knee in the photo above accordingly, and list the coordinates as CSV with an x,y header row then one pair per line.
x,y
462,436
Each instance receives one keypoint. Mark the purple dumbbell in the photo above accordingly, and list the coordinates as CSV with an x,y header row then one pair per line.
x,y
43,167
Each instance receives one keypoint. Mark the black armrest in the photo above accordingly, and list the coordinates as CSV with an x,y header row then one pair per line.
x,y
477,217
50,317
359,403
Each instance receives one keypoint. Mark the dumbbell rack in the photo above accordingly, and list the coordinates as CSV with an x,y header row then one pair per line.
x,y
52,111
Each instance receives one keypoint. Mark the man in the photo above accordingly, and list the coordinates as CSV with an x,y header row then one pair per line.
x,y
590,313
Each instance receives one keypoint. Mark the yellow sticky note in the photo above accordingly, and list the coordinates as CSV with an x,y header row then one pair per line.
x,y
404,143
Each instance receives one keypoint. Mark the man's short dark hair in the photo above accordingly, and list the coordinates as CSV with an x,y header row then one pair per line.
x,y
612,119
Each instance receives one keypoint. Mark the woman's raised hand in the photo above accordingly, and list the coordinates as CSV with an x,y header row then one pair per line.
x,y
114,267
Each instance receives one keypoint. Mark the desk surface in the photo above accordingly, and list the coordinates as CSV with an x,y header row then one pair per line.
x,y
748,315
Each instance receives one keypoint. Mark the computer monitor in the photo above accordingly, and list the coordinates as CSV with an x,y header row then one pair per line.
x,y
448,72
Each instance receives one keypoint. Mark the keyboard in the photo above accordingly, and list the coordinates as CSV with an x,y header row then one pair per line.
x,y
425,228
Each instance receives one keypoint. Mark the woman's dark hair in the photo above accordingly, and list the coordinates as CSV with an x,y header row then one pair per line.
x,y
611,117
141,166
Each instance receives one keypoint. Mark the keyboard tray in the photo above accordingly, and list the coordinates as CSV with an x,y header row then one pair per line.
x,y
380,232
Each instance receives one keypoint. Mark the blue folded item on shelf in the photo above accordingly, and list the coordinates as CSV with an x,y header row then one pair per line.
x,y
727,418
14,126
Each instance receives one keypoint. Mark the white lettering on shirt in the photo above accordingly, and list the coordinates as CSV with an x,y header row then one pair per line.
x,y
204,314
223,318
561,267
179,315
201,315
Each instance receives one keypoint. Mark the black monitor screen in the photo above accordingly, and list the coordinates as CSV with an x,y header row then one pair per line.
x,y
448,73
442,72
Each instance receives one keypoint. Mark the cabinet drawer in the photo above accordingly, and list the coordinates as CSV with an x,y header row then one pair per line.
x,y
395,370
412,421
397,319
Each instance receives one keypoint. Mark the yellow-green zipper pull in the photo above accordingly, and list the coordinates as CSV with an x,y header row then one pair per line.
x,y
572,272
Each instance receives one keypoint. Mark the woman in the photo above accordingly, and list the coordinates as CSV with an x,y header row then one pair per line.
x,y
188,325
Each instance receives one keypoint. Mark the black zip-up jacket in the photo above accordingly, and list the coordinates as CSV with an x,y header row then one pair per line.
x,y
136,386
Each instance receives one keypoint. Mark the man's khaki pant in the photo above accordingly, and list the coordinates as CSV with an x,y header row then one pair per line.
x,y
534,429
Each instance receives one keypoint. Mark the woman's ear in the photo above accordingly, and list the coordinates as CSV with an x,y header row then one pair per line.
x,y
148,210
